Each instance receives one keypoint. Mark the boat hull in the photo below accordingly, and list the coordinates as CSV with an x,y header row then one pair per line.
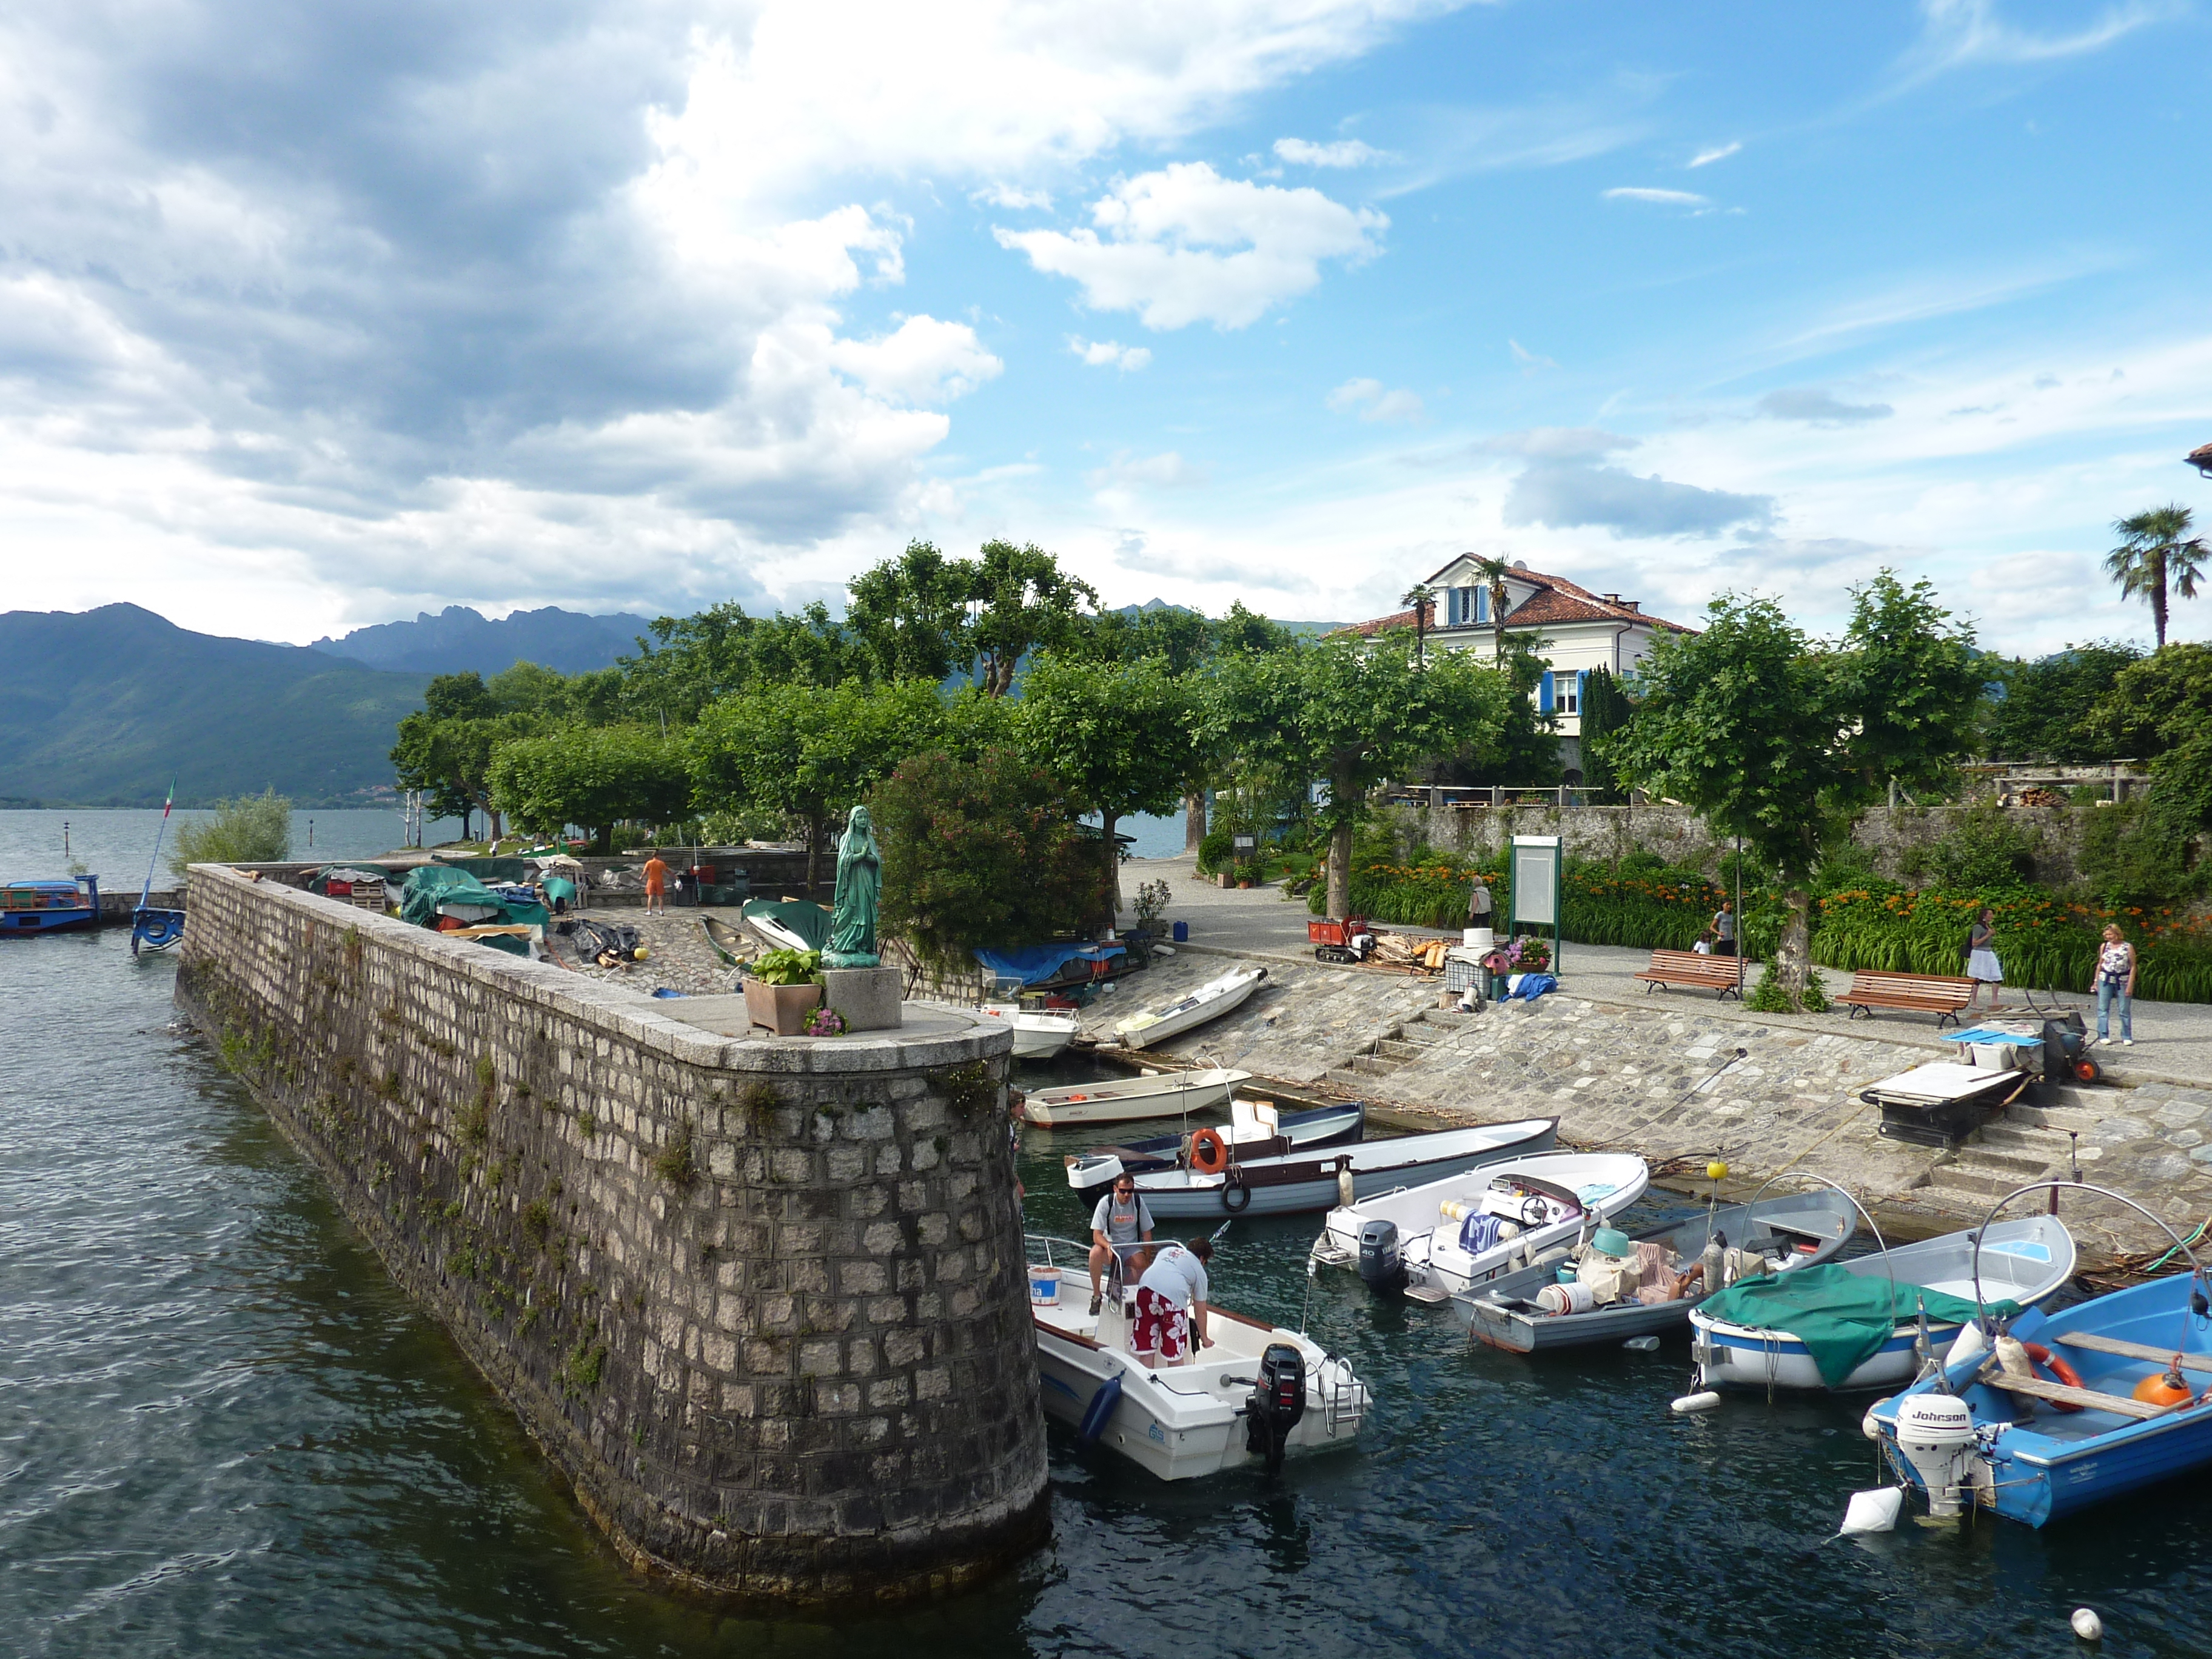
x,y
48,907
1615,1180
1190,1019
48,922
1121,1102
1179,1193
1091,1174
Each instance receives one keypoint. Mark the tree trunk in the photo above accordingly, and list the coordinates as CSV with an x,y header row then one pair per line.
x,y
1194,820
1339,844
1113,873
1793,955
468,815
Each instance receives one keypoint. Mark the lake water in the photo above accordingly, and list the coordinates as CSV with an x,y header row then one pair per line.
x,y
223,1432
115,844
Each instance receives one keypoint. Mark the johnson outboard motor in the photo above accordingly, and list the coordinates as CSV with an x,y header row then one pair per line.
x,y
1277,1401
1381,1262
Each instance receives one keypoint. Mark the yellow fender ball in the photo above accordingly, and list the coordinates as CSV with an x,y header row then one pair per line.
x,y
643,954
1716,1171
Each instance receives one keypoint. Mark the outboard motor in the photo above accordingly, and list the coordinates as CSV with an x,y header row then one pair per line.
x,y
1277,1401
1381,1262
1935,1433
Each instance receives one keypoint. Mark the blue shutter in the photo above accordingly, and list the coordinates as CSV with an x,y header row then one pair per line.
x,y
1451,607
1544,693
1582,682
1482,604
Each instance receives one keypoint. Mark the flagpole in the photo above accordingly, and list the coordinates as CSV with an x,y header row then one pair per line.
x,y
147,891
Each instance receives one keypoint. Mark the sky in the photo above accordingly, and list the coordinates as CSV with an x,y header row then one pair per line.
x,y
317,316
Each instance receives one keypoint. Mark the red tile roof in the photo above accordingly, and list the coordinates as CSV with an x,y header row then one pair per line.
x,y
1555,600
2201,458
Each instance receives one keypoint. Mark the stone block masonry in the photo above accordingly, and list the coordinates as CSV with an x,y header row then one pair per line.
x,y
762,1303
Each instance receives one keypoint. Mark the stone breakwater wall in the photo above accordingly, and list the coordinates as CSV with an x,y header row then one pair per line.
x,y
762,1303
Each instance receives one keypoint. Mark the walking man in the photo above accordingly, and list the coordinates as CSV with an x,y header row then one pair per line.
x,y
1724,929
656,885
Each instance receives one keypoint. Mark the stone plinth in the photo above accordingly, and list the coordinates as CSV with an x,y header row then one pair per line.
x,y
868,998
762,1300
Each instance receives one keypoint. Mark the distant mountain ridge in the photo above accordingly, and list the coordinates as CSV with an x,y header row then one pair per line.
x,y
102,707
460,638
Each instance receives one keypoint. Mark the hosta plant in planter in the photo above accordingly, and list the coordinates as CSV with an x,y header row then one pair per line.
x,y
783,989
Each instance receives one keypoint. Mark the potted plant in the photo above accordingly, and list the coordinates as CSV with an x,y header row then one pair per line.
x,y
783,989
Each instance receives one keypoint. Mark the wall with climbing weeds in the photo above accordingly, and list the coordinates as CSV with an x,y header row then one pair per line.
x,y
761,1301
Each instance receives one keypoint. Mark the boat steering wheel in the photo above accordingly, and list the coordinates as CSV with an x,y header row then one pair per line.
x,y
1534,1212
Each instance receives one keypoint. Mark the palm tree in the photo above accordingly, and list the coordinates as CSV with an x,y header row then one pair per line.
x,y
1493,573
2157,556
1417,598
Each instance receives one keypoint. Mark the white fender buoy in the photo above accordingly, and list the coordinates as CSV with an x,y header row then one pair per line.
x,y
1872,1511
1704,1402
1867,1425
2087,1626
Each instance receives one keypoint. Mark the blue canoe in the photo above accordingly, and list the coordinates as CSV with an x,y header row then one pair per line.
x,y
2043,1465
47,907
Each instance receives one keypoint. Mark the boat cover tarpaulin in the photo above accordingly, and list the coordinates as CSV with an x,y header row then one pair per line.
x,y
514,869
1032,964
1842,1317
434,884
802,916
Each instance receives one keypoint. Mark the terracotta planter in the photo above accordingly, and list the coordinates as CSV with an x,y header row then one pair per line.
x,y
1243,884
1223,879
783,1008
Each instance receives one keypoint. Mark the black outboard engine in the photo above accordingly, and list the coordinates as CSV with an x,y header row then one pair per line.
x,y
1277,1401
1382,1263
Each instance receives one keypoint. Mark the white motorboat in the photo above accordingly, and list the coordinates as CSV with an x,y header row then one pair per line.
x,y
2025,1260
1157,1094
1209,1001
1036,1035
1258,1394
1466,1228
1297,1181
1257,1128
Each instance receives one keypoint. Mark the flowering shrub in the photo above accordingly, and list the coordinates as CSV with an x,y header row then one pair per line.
x,y
823,1022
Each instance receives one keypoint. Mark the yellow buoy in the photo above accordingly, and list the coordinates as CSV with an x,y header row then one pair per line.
x,y
1716,1171
641,954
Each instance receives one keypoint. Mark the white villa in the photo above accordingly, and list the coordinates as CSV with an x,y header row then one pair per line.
x,y
1575,630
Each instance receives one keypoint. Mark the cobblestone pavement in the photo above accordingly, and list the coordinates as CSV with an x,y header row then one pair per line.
x,y
680,958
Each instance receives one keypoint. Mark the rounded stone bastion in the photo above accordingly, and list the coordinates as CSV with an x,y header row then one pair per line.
x,y
761,1301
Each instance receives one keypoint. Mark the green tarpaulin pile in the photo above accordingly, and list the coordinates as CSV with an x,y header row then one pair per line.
x,y
434,884
1842,1317
514,869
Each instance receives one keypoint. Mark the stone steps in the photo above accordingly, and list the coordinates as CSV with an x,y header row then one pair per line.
x,y
1962,1201
1399,1049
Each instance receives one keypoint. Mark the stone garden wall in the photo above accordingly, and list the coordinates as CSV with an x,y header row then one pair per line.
x,y
762,1302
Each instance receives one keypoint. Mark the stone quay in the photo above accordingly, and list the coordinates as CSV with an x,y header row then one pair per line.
x,y
762,1302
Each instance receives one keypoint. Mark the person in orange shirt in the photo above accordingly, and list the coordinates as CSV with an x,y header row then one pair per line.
x,y
656,885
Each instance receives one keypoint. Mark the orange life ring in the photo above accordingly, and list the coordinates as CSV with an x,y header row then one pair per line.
x,y
2059,1369
1209,1152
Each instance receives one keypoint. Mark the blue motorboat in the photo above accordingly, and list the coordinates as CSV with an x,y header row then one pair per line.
x,y
2102,1399
47,907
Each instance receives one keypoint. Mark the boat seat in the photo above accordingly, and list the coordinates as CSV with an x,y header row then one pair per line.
x,y
2093,1343
2059,1394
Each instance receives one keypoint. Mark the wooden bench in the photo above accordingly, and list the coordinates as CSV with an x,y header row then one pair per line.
x,y
1670,968
1925,993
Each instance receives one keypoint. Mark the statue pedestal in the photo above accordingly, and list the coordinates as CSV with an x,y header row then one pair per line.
x,y
868,998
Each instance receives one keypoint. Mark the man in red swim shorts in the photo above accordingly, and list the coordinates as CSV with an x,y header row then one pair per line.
x,y
656,885
1170,1301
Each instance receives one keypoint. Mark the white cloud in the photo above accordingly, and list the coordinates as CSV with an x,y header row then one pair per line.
x,y
1168,470
1012,197
1558,443
1374,403
924,362
1183,245
1530,361
1958,32
1819,407
1719,153
1664,198
1344,153
1110,354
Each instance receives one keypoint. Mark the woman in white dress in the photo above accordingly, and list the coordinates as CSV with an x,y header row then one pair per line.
x,y
1981,965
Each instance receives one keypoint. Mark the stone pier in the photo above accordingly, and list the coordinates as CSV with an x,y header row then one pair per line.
x,y
761,1302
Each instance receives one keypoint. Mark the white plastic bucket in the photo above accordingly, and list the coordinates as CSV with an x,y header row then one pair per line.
x,y
1044,1285
1479,938
1566,1298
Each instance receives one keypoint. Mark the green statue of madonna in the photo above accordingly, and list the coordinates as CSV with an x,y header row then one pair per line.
x,y
860,891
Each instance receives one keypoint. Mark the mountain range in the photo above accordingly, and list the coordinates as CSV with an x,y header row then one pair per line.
x,y
459,638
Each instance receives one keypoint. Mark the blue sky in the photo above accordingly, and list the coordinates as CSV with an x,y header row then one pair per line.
x,y
316,321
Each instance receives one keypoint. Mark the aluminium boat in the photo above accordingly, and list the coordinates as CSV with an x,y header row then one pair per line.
x,y
1156,1094
1210,1001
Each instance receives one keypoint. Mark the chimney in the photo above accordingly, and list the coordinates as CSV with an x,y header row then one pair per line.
x,y
1610,599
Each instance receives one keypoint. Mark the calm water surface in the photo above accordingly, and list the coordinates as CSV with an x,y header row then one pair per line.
x,y
223,1432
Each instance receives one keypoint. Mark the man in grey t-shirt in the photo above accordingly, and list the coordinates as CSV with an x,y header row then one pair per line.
x,y
1121,1218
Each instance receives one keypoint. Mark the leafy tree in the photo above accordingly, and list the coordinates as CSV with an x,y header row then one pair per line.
x,y
810,750
593,776
1421,599
2040,710
2160,708
692,661
1117,735
1527,751
445,749
250,829
1025,602
1770,737
2157,556
983,852
910,613
1353,712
